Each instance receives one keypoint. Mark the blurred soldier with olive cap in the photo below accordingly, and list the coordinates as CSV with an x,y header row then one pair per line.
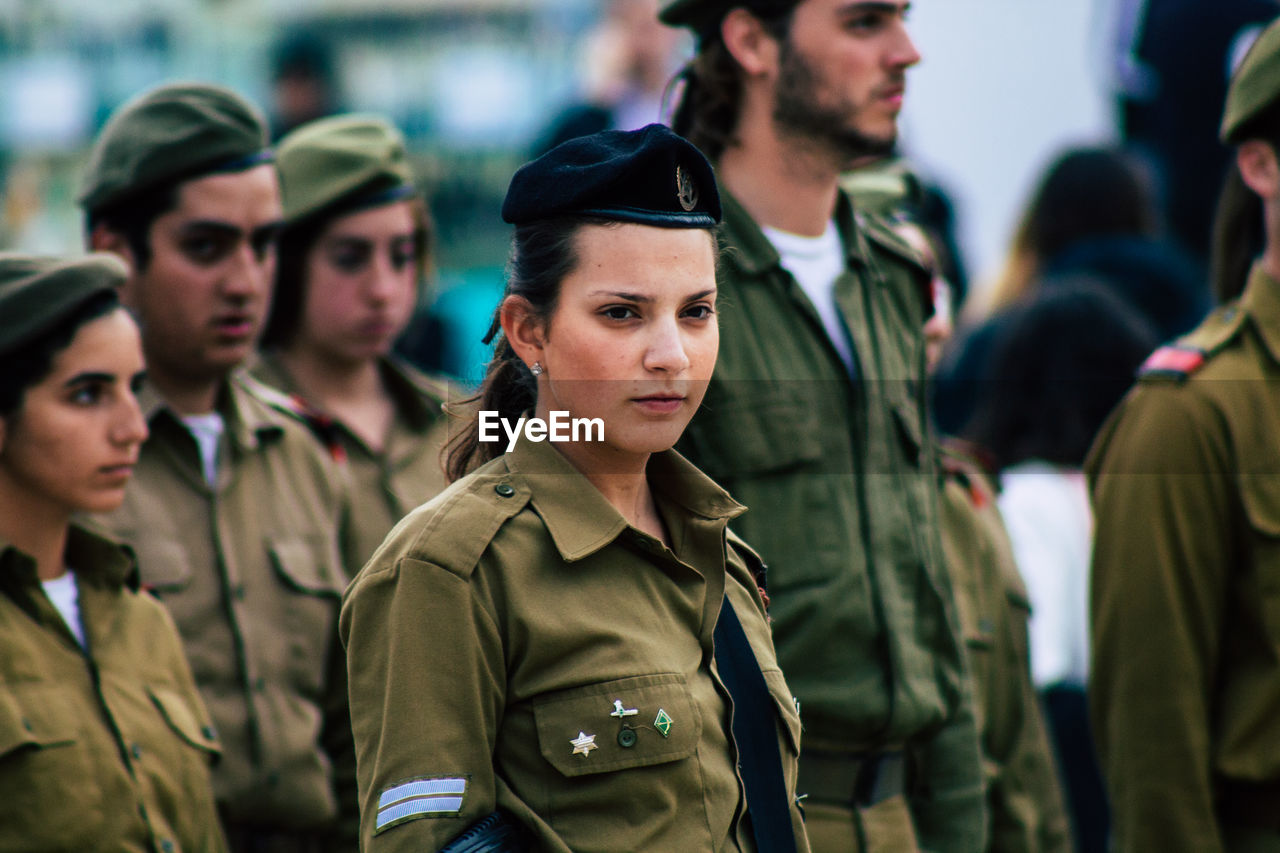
x,y
235,514
104,741
352,256
816,418
1185,686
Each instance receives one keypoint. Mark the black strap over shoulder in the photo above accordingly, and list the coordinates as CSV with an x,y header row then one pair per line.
x,y
755,730
496,832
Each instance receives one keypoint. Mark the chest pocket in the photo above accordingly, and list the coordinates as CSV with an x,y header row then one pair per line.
x,y
164,564
306,566
590,729
773,430
34,717
182,720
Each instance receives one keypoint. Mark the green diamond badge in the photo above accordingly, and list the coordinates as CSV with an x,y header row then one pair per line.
x,y
662,723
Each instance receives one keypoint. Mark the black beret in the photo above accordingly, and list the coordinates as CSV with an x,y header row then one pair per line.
x,y
37,293
648,176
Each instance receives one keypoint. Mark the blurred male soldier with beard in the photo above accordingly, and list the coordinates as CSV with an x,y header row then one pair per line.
x,y
235,512
816,418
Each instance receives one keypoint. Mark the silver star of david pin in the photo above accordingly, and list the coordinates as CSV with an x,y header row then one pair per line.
x,y
620,712
583,744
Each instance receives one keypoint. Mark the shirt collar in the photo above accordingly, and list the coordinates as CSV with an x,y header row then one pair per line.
x,y
249,421
752,251
577,515
96,560
1261,301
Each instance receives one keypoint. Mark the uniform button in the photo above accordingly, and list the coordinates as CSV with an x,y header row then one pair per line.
x,y
167,846
26,724
260,685
238,592
627,738
135,751
504,490
209,733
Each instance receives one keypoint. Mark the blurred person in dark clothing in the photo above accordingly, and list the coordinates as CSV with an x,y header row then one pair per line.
x,y
1173,60
303,83
1061,360
1094,213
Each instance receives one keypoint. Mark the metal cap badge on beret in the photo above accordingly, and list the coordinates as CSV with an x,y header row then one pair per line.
x,y
1254,86
38,292
172,133
343,161
702,16
649,176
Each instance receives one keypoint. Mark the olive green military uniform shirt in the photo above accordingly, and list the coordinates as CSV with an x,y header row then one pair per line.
x,y
252,571
405,472
1185,680
516,644
1024,797
840,478
104,748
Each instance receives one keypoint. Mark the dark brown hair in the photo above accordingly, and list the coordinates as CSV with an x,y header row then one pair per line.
x,y
711,89
296,242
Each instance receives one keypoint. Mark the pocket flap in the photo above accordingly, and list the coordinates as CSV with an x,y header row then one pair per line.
x,y
163,565
306,566
591,729
34,716
184,720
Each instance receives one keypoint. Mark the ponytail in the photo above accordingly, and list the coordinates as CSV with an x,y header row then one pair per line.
x,y
509,389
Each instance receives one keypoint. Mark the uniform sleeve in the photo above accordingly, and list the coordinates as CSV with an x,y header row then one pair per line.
x,y
427,676
1161,496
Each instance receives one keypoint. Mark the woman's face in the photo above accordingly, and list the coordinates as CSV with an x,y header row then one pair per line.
x,y
633,337
72,444
361,284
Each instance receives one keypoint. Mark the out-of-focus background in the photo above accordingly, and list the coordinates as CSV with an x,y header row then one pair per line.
x,y
478,86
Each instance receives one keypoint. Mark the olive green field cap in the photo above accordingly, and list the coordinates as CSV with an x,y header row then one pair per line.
x,y
342,163
38,292
170,134
702,16
1254,87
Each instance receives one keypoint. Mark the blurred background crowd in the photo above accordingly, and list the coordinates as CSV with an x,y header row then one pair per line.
x,y
1062,158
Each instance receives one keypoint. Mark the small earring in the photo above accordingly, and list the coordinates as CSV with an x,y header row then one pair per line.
x,y
536,368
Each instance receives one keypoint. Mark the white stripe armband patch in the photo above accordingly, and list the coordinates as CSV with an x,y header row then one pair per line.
x,y
433,796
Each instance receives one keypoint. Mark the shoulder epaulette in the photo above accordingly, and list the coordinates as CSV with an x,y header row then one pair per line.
x,y
468,515
1193,350
320,424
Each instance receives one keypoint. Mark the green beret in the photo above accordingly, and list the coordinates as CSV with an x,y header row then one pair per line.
x,y
1254,87
703,16
37,293
171,134
342,162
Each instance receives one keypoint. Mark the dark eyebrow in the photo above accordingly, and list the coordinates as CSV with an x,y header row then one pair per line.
x,y
875,6
630,297
701,295
220,228
88,377
269,231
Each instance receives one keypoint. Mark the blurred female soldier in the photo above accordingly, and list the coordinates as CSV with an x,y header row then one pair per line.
x,y
104,742
351,255
566,634
1185,684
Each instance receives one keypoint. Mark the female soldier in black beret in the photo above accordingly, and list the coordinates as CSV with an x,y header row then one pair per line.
x,y
104,742
568,634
